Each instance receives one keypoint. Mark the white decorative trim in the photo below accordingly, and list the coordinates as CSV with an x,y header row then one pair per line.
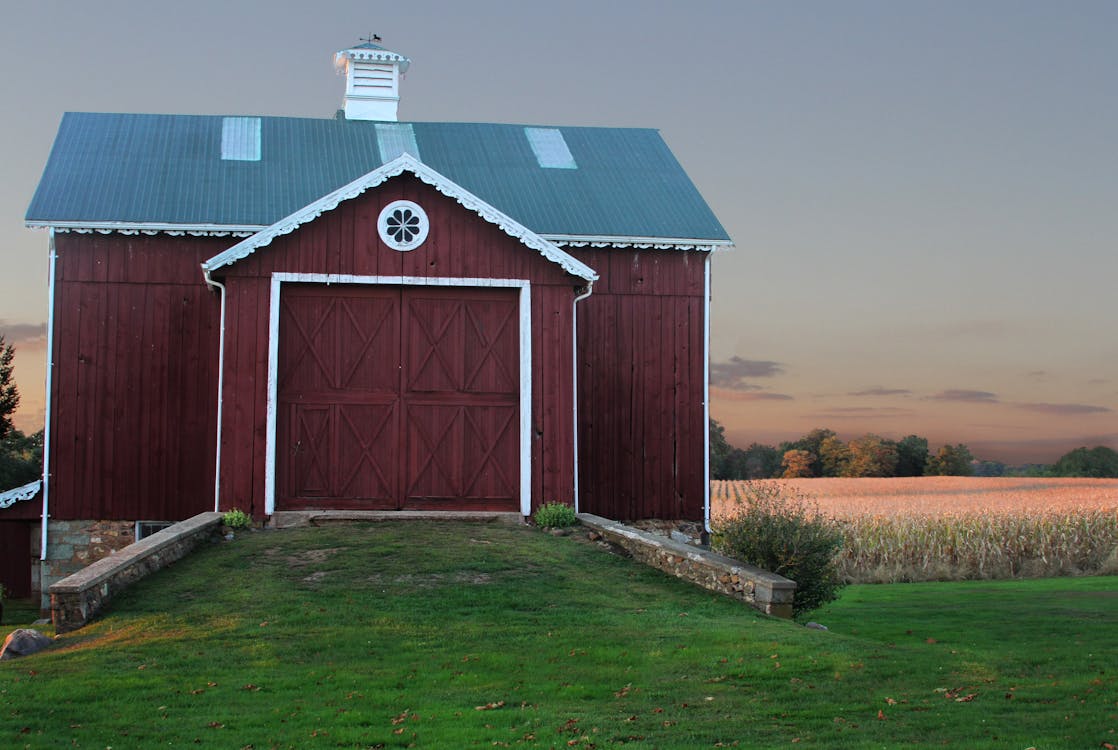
x,y
640,243
374,55
149,228
404,163
397,236
525,338
26,492
247,230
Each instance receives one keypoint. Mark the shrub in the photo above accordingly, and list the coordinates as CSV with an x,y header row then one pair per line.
x,y
555,516
783,532
236,519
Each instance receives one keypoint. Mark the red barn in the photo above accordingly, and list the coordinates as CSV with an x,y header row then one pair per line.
x,y
273,313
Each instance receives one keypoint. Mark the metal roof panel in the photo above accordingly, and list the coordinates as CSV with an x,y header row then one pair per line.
x,y
167,169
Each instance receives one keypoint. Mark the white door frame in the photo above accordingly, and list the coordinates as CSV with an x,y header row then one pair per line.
x,y
525,296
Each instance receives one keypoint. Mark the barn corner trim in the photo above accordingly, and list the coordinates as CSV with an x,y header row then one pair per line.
x,y
380,175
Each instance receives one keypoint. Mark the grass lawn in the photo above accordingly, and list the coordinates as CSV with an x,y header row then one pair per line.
x,y
457,635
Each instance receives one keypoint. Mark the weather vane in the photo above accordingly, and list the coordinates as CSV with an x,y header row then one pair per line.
x,y
371,39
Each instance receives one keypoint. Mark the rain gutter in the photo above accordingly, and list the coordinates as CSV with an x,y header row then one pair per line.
x,y
706,393
220,388
49,399
574,380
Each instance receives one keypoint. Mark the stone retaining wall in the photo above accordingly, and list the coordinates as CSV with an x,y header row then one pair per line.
x,y
77,599
768,592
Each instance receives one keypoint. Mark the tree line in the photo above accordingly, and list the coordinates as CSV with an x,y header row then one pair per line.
x,y
821,453
21,456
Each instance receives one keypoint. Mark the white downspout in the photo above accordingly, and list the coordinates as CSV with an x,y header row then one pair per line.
x,y
220,389
574,378
47,410
706,392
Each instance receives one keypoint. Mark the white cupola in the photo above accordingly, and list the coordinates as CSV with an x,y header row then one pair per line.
x,y
372,80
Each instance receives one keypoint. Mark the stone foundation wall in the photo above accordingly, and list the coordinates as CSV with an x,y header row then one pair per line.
x,y
768,592
72,545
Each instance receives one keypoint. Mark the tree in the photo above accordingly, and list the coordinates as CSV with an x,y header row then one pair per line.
x,y
797,464
872,456
760,462
9,394
951,461
1100,462
21,459
912,456
719,452
990,469
834,456
811,443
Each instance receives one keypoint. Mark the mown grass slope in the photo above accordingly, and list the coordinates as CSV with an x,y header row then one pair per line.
x,y
459,635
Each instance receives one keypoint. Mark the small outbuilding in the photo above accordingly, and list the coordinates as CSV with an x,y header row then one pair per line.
x,y
275,313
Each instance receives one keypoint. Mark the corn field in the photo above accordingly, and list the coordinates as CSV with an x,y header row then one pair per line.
x,y
958,528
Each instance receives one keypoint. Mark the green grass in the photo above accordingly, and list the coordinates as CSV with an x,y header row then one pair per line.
x,y
19,613
394,635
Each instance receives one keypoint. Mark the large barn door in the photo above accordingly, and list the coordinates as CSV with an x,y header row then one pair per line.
x,y
393,397
461,390
338,397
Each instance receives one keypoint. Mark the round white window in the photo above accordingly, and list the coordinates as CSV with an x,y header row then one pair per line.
x,y
403,225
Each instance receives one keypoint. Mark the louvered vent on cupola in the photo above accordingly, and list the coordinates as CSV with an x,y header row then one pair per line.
x,y
372,88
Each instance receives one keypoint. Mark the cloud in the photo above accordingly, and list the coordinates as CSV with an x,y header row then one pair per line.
x,y
879,391
1064,410
732,394
23,334
861,412
734,373
971,397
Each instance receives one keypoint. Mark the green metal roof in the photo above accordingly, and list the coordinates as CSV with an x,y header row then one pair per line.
x,y
168,169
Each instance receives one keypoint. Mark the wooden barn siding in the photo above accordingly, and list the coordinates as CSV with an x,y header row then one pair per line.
x,y
135,379
641,449
15,558
345,241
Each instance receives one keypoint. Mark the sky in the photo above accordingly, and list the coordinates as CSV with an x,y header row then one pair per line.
x,y
923,195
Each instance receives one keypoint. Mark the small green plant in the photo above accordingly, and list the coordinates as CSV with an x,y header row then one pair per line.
x,y
555,516
236,519
784,533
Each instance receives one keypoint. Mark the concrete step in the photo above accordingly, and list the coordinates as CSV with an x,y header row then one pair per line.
x,y
288,519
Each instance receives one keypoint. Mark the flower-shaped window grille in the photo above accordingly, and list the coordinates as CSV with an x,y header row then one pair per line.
x,y
403,225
